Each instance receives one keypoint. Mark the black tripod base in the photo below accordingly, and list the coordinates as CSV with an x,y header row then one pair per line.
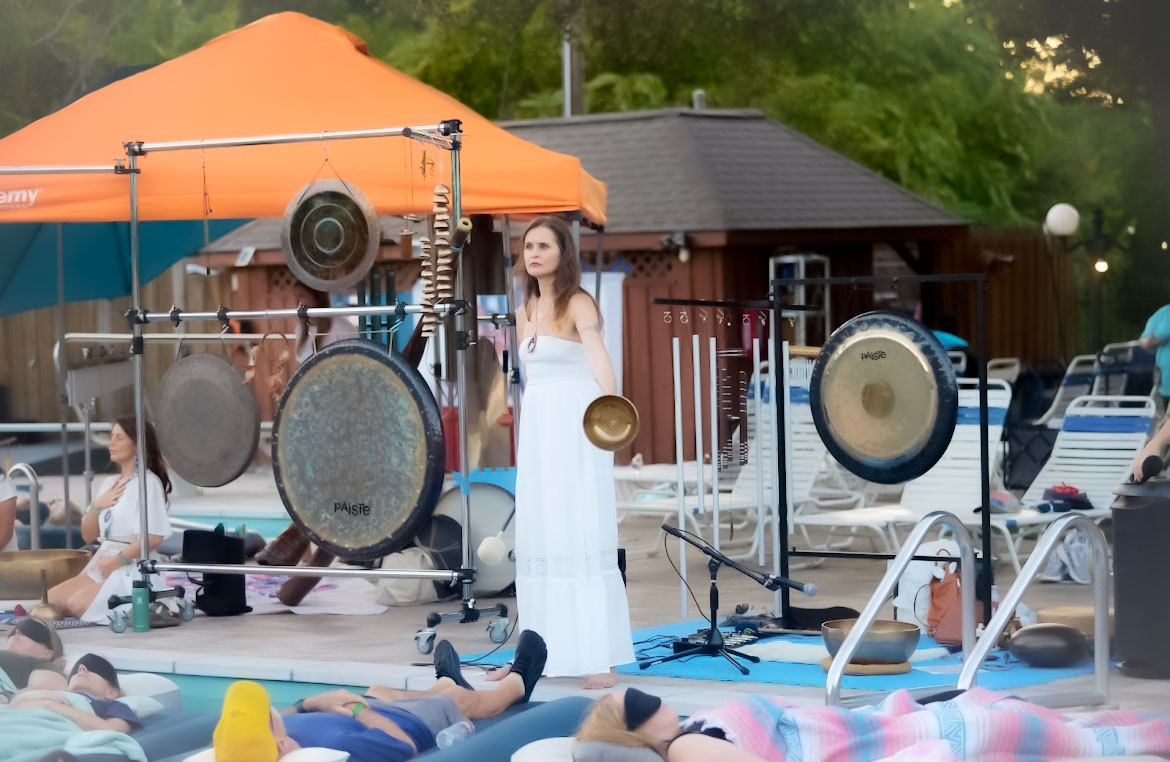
x,y
707,649
467,613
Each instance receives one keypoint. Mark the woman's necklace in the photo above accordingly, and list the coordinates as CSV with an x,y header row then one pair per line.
x,y
536,327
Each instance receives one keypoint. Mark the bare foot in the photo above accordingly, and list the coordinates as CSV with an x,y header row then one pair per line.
x,y
601,681
499,673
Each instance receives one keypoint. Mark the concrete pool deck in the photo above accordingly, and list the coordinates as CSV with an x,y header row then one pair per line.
x,y
357,650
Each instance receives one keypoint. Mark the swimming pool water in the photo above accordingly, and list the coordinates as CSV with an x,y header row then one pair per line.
x,y
204,695
268,528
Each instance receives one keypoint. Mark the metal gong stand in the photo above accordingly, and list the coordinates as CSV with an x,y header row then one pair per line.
x,y
445,135
781,553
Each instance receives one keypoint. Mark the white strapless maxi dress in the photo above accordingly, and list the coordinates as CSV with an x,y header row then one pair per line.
x,y
568,586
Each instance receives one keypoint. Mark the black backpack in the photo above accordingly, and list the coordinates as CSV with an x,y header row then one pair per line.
x,y
220,594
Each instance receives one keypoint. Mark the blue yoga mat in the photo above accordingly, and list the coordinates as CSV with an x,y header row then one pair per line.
x,y
1002,672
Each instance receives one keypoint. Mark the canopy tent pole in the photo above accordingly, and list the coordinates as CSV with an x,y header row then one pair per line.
x,y
136,346
62,394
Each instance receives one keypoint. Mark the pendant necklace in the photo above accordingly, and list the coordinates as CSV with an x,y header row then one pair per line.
x,y
535,329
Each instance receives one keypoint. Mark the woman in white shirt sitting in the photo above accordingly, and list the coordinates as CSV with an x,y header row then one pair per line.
x,y
115,519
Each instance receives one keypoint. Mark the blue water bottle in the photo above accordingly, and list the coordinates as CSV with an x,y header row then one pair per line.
x,y
140,606
453,734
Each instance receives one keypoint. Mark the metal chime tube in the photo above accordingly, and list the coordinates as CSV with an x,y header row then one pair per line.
x,y
779,597
676,353
697,365
758,391
713,365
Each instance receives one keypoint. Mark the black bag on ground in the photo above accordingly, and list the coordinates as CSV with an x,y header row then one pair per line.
x,y
221,594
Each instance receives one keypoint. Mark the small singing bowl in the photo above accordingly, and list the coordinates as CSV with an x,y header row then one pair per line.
x,y
20,570
887,642
611,422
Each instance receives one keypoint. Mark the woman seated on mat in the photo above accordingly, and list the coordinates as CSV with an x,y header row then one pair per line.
x,y
973,725
115,519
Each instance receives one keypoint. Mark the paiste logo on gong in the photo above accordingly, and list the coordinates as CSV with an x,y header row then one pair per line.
x,y
21,198
353,509
878,354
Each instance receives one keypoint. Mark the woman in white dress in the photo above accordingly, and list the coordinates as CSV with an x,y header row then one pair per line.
x,y
568,586
114,519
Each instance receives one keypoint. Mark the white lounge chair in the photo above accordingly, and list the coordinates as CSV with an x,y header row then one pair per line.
x,y
1078,380
1099,438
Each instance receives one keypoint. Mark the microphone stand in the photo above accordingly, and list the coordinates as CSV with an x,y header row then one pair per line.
x,y
715,646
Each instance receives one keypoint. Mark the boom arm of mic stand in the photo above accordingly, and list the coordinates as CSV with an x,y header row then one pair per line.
x,y
769,581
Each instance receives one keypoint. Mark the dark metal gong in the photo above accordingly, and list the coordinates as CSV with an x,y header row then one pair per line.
x,y
357,450
330,235
207,420
884,397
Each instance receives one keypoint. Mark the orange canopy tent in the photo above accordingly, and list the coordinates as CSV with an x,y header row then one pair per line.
x,y
286,73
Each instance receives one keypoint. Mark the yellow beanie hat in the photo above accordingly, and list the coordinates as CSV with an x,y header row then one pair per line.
x,y
244,731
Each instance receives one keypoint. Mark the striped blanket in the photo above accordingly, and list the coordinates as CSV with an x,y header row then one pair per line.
x,y
977,725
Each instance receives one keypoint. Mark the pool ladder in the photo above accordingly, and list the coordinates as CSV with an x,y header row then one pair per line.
x,y
975,652
34,503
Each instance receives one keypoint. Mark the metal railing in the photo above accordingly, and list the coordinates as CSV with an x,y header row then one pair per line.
x,y
34,503
1007,607
886,588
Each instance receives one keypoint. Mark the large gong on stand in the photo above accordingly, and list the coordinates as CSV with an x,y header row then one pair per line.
x,y
884,397
357,450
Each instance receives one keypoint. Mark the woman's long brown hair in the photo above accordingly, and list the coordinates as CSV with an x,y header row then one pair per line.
x,y
154,458
567,282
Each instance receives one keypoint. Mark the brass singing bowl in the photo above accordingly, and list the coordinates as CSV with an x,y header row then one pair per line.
x,y
887,642
611,422
20,570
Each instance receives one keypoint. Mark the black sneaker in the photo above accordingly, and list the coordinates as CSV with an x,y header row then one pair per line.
x,y
447,664
531,654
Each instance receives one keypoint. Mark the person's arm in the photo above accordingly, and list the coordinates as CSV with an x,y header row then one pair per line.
x,y
128,555
111,492
1157,331
1155,446
588,323
80,718
7,520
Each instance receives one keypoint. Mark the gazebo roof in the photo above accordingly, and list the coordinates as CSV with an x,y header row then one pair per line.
x,y
729,170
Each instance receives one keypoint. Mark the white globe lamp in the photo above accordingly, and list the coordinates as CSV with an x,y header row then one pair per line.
x,y
1062,220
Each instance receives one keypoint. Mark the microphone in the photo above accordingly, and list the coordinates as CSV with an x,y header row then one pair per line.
x,y
492,550
773,582
1151,467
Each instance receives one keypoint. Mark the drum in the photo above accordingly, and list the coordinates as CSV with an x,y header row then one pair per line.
x,y
357,450
442,537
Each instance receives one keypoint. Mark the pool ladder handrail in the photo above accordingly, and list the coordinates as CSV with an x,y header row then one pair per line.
x,y
34,503
1007,608
886,588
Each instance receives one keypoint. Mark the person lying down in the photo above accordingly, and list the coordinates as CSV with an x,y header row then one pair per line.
x,y
383,725
633,726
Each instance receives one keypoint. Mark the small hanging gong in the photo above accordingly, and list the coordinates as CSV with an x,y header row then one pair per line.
x,y
884,397
330,235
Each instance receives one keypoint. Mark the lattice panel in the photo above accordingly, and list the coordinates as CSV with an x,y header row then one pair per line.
x,y
648,264
280,279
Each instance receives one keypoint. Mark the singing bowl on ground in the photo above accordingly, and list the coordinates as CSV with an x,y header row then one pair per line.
x,y
20,570
611,422
887,642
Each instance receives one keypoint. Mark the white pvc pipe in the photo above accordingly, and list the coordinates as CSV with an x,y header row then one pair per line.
x,y
697,364
758,391
772,362
713,365
678,459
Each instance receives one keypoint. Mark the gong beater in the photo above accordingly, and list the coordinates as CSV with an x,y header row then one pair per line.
x,y
357,450
330,235
208,421
884,397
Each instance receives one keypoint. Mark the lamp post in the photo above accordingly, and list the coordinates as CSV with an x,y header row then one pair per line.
x,y
1062,221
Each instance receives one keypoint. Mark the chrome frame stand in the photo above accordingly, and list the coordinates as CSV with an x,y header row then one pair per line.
x,y
34,503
